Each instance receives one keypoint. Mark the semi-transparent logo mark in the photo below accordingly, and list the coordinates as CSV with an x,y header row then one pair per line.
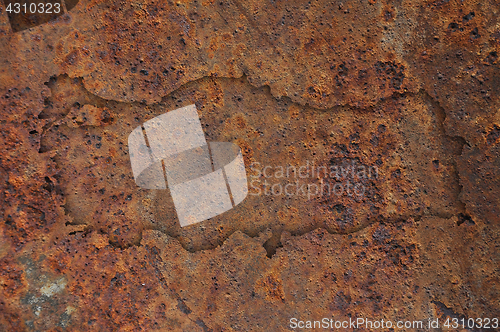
x,y
205,178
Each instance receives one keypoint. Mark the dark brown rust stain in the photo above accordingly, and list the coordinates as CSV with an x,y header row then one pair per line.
x,y
32,13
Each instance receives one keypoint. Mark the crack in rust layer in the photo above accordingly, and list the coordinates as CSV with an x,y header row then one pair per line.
x,y
88,135
154,256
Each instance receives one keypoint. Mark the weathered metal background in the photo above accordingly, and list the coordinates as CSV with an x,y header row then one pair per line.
x,y
412,88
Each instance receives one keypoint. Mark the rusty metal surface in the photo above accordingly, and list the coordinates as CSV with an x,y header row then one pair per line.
x,y
410,89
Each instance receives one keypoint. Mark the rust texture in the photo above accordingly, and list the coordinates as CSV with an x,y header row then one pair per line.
x,y
409,91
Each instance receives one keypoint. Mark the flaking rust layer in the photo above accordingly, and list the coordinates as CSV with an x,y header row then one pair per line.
x,y
409,88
